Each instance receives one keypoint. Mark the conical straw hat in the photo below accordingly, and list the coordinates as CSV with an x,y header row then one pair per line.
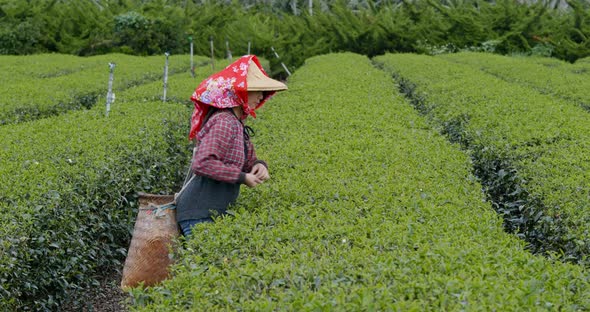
x,y
258,81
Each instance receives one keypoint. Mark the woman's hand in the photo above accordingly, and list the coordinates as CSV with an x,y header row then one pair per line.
x,y
260,171
252,180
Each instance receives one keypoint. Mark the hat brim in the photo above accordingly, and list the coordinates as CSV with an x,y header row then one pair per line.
x,y
258,81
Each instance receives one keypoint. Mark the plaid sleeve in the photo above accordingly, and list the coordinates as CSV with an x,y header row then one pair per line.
x,y
216,146
252,159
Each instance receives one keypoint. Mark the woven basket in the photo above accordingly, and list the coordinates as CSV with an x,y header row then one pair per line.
x,y
155,229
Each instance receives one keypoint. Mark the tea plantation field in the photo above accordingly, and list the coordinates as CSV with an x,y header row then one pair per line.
x,y
52,84
67,197
562,80
405,182
530,149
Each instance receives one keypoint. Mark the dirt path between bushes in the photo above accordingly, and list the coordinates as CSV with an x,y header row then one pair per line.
x,y
108,297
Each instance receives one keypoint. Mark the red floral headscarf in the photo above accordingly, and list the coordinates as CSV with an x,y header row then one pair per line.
x,y
227,88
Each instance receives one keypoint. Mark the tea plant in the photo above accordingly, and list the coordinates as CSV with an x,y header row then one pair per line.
x,y
529,150
367,208
582,66
547,61
41,97
67,197
564,81
22,68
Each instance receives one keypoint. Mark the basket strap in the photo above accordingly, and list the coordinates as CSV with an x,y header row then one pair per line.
x,y
183,188
189,171
189,175
158,210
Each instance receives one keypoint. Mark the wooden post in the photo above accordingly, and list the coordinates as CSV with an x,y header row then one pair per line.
x,y
212,55
192,62
165,77
229,56
282,64
110,94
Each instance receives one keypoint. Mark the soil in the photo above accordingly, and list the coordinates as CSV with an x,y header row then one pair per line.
x,y
108,297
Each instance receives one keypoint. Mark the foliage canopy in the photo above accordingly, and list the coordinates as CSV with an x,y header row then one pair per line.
x,y
366,27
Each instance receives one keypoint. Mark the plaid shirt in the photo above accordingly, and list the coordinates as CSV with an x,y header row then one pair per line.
x,y
220,154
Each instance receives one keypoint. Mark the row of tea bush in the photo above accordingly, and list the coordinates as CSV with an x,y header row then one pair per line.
x,y
68,196
367,208
529,149
47,85
566,81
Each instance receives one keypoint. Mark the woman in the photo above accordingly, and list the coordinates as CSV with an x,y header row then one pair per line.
x,y
224,157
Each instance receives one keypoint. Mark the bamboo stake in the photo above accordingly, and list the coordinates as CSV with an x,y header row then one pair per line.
x,y
165,77
282,64
192,62
212,55
110,94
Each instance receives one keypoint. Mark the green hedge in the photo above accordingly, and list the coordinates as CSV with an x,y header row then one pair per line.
x,y
530,150
34,98
65,210
67,201
19,68
565,81
369,28
546,61
367,209
583,66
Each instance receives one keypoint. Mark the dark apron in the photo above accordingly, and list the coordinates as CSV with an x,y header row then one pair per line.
x,y
205,197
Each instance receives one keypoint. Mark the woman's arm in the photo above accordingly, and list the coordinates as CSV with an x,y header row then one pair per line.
x,y
218,144
255,166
